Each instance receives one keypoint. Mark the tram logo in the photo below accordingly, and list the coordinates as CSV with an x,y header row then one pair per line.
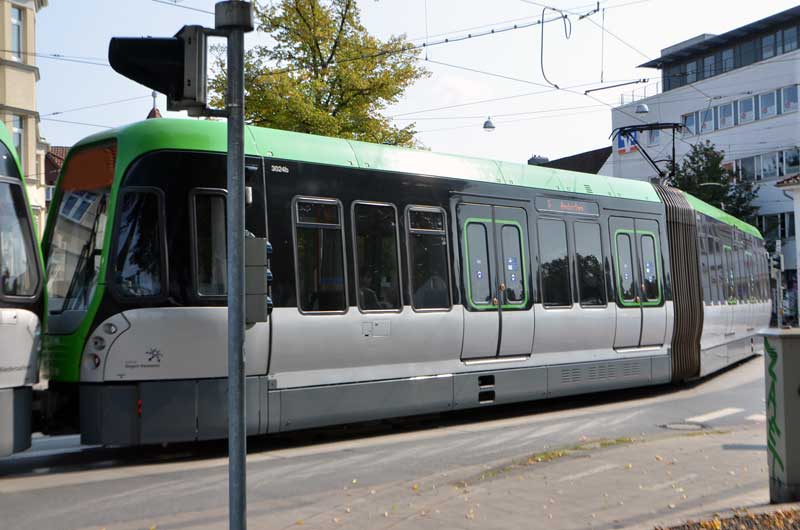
x,y
154,354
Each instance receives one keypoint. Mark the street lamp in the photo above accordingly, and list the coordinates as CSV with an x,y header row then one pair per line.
x,y
705,184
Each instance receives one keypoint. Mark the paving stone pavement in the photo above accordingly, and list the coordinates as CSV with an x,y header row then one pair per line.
x,y
625,483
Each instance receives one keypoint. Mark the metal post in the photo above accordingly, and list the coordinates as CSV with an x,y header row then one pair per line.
x,y
235,17
237,435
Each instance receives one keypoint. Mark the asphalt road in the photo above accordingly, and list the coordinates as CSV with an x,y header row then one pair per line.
x,y
60,484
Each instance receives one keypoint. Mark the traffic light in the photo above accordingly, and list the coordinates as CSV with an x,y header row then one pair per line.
x,y
174,66
776,262
258,279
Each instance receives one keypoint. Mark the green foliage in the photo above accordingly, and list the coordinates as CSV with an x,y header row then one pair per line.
x,y
323,73
701,173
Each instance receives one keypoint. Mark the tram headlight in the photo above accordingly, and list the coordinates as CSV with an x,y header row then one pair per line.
x,y
99,343
109,328
95,360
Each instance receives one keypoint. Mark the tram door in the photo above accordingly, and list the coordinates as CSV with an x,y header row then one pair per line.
x,y
641,314
498,320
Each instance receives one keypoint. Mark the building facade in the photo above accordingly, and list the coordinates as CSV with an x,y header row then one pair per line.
x,y
739,90
18,77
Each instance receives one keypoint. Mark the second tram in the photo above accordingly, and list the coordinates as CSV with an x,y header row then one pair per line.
x,y
20,303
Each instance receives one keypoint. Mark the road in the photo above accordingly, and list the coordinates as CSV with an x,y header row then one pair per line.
x,y
60,484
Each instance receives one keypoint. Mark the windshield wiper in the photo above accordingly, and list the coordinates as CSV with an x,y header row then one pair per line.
x,y
84,268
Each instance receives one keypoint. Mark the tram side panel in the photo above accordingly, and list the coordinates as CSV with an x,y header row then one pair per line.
x,y
736,301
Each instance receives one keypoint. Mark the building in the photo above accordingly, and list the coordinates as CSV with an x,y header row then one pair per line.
x,y
18,77
738,90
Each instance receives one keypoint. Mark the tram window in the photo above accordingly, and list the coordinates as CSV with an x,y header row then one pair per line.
x,y
377,265
513,270
429,268
18,272
712,270
720,264
479,268
554,263
589,257
210,243
652,291
704,278
730,292
320,256
627,283
138,258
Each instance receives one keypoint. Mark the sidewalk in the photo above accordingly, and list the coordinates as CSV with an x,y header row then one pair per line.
x,y
607,484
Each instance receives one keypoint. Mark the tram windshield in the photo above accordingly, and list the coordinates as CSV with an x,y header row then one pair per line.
x,y
18,271
76,242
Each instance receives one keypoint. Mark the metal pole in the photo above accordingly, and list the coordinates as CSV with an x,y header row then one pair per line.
x,y
227,19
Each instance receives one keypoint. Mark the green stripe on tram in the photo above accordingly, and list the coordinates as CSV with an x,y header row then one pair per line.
x,y
204,135
719,215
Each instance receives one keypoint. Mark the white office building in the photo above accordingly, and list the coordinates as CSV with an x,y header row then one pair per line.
x,y
740,91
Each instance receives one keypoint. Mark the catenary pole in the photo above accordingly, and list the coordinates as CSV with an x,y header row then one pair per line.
x,y
235,17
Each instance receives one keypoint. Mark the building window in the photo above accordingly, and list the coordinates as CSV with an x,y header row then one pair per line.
x,y
689,125
767,105
789,98
749,168
16,33
319,244
706,121
791,160
17,133
747,53
75,204
377,257
769,166
653,137
727,60
768,46
709,66
428,258
691,72
790,39
747,111
725,114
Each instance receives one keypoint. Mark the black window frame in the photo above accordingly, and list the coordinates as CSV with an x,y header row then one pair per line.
x,y
341,227
449,264
602,266
164,261
193,193
400,286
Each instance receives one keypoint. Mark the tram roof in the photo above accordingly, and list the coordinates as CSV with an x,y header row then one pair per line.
x,y
139,138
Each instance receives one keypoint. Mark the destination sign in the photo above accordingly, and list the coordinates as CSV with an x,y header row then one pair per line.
x,y
549,204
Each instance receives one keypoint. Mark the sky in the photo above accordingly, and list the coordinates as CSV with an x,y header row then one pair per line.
x,y
498,75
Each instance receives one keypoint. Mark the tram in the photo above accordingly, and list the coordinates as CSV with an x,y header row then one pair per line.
x,y
21,303
405,282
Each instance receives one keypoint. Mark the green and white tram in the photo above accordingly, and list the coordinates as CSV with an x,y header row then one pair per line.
x,y
21,303
406,282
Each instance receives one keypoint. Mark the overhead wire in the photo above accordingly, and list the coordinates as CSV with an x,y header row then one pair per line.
x,y
87,107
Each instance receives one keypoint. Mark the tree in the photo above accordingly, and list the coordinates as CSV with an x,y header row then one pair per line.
x,y
702,174
324,73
